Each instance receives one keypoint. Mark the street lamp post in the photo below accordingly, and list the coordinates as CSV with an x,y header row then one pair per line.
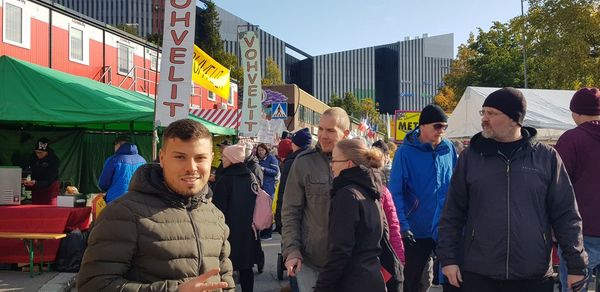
x,y
524,42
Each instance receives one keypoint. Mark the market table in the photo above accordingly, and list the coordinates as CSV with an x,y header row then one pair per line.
x,y
38,219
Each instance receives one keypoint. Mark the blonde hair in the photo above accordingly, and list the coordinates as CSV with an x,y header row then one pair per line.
x,y
342,120
358,152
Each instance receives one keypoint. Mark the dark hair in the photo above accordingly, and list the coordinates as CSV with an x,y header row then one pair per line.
x,y
186,130
358,152
121,140
263,146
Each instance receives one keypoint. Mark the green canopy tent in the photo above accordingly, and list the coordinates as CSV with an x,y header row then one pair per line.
x,y
79,115
32,94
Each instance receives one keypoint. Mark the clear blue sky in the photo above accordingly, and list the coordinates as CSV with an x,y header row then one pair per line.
x,y
326,26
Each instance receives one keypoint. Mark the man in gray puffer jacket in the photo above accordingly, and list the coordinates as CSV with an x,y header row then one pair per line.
x,y
508,195
165,234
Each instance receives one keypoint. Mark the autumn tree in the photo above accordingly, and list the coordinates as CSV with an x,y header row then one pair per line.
x,y
446,99
272,73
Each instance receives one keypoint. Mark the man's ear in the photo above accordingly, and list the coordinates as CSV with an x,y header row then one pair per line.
x,y
346,133
160,157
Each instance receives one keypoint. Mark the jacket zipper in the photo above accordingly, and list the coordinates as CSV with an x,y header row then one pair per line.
x,y
508,217
197,236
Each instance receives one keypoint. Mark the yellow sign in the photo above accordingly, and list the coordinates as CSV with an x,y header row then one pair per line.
x,y
406,122
210,74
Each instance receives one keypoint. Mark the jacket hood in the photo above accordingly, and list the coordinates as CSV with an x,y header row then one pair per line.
x,y
592,128
149,180
485,146
236,169
127,149
362,176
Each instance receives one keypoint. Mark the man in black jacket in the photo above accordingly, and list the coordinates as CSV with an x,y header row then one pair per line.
x,y
508,194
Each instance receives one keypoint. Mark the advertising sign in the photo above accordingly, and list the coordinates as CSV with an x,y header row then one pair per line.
x,y
174,88
405,122
251,109
210,74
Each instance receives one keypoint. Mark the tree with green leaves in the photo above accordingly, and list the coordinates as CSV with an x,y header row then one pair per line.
x,y
130,28
209,40
272,73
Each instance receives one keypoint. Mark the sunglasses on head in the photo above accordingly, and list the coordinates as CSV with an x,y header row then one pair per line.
x,y
440,126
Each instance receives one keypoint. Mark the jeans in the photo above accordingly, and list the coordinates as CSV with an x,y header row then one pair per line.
x,y
418,270
592,247
307,278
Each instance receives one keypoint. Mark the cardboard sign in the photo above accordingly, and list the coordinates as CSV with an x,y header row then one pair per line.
x,y
175,86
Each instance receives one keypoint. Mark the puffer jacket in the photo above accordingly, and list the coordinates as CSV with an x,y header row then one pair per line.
x,y
118,170
306,207
152,239
355,231
270,168
501,211
419,181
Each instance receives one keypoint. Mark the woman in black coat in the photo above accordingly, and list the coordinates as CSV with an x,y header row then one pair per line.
x,y
233,195
355,222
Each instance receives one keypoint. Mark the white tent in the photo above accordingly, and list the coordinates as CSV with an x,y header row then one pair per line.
x,y
547,111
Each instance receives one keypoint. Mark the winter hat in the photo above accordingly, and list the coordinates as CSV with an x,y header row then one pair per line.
x,y
586,101
284,148
381,146
432,114
235,153
302,138
43,144
510,101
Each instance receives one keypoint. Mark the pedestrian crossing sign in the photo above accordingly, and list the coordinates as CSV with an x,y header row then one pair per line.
x,y
279,110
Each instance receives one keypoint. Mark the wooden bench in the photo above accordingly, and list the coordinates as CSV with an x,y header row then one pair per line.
x,y
32,242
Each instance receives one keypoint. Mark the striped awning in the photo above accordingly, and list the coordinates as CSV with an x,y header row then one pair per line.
x,y
229,118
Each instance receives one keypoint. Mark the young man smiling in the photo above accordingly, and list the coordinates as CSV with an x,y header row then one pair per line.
x,y
165,234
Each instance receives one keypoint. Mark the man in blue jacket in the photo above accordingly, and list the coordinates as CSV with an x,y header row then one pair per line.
x,y
419,180
119,168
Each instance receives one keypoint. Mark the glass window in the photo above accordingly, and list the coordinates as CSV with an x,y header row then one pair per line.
x,y
153,62
76,44
211,96
125,58
14,23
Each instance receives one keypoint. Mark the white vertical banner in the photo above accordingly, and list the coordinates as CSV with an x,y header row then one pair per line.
x,y
173,99
251,106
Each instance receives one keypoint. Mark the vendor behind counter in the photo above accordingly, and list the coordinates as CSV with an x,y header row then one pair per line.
x,y
44,183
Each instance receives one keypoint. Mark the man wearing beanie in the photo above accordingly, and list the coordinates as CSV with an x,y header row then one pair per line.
x,y
579,150
44,166
419,180
233,195
509,195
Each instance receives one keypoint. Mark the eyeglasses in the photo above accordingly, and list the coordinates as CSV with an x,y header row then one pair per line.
x,y
440,126
488,113
334,161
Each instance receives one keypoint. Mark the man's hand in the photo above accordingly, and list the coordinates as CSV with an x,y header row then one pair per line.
x,y
293,266
576,282
452,272
199,284
408,238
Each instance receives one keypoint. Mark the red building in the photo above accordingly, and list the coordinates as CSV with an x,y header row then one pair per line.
x,y
52,36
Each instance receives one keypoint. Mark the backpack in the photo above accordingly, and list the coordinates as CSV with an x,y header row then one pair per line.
x,y
70,252
262,217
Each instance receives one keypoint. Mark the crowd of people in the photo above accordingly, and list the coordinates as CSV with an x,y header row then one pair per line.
x,y
358,217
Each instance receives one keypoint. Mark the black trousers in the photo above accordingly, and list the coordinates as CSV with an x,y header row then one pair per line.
x,y
417,256
247,280
475,283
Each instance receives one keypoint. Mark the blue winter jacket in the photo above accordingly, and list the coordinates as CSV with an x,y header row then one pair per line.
x,y
118,170
419,182
270,168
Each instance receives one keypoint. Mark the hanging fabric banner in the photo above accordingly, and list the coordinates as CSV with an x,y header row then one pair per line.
x,y
210,74
251,105
175,86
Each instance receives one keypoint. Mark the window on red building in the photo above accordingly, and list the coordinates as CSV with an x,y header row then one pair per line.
x,y
76,48
16,26
125,58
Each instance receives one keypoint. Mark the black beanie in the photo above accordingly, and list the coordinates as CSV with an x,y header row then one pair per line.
x,y
432,114
510,101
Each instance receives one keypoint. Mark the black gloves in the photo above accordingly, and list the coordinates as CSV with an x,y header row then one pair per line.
x,y
408,238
